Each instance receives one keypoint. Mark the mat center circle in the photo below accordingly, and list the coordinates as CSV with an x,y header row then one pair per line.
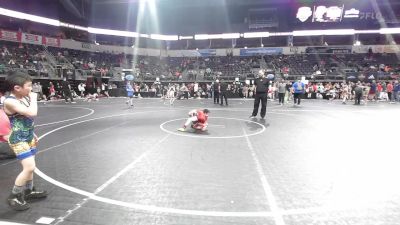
x,y
218,127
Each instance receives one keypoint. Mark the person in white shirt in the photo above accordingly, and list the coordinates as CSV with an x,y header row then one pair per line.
x,y
196,90
104,89
171,94
81,89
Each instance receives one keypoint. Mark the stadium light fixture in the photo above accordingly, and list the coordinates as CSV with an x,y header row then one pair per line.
x,y
281,34
25,16
323,32
72,26
367,31
216,36
144,35
80,28
389,31
256,35
339,32
201,36
164,37
230,36
185,37
112,32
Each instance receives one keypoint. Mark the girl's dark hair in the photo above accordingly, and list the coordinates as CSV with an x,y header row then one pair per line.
x,y
16,78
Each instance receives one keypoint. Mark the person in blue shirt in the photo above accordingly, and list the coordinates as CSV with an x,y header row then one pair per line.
x,y
372,91
396,91
298,91
129,93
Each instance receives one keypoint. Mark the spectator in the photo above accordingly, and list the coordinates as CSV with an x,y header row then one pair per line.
x,y
66,88
81,89
389,89
281,91
298,91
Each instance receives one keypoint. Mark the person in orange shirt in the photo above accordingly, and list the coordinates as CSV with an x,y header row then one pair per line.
x,y
389,89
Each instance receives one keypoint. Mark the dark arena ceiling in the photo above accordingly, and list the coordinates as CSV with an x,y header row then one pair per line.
x,y
188,17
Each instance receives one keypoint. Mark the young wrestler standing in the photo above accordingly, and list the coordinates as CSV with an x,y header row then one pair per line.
x,y
21,107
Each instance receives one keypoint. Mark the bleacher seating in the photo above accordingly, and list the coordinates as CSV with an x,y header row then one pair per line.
x,y
148,68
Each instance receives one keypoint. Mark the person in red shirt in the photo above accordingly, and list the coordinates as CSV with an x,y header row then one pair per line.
x,y
5,127
315,90
198,119
389,89
379,90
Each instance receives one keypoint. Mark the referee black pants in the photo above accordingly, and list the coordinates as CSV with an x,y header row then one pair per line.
x,y
297,98
260,97
281,97
216,97
67,94
222,95
358,98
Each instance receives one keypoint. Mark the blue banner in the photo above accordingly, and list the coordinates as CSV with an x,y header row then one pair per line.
x,y
260,51
207,52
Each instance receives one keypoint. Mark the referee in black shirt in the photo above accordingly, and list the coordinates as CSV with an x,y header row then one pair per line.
x,y
261,95
223,88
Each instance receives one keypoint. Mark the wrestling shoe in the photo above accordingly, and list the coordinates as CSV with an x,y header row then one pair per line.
x,y
17,202
34,194
181,129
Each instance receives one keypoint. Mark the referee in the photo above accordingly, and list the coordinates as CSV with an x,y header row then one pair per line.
x,y
223,88
261,84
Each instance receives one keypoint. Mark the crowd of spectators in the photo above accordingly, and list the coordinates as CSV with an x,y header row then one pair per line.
x,y
339,65
229,67
369,91
146,68
22,56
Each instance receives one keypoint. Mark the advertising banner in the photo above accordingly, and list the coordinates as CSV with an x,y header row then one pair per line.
x,y
330,50
86,45
55,42
207,52
370,76
352,76
31,39
391,49
10,35
260,51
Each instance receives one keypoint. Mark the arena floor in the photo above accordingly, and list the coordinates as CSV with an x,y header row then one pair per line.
x,y
318,164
